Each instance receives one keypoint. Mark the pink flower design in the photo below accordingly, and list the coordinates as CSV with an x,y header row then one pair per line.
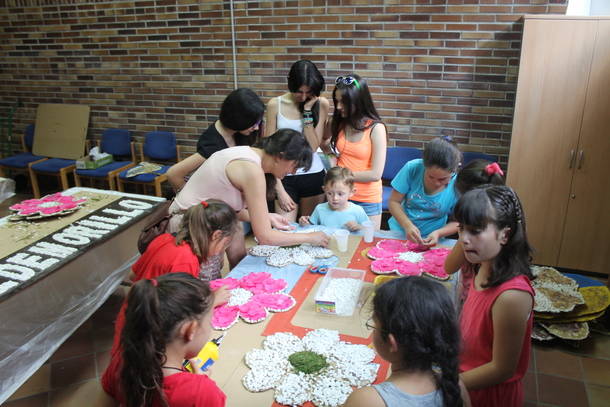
x,y
252,298
387,259
50,205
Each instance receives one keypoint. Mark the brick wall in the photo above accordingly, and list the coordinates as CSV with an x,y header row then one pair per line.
x,y
436,67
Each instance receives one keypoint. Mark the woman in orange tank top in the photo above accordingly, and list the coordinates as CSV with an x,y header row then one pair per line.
x,y
356,135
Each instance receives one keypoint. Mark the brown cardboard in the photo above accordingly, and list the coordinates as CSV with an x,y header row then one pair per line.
x,y
61,130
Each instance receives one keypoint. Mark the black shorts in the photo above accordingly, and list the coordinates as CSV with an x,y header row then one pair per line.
x,y
304,186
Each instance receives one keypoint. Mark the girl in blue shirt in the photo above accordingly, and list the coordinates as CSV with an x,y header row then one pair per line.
x,y
424,194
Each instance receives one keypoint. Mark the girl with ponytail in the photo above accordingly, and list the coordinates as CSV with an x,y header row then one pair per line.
x,y
415,329
167,321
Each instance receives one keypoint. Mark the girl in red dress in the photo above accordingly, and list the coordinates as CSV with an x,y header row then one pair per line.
x,y
167,320
496,319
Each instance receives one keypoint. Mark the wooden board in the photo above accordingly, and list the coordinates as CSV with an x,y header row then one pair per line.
x,y
61,130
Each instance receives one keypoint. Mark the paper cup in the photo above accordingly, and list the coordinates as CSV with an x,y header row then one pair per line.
x,y
341,236
368,230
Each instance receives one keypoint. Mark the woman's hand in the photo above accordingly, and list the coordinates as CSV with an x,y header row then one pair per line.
x,y
353,226
413,234
304,221
432,239
310,102
318,239
279,222
285,201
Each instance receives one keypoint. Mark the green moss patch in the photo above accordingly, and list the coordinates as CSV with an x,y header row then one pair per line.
x,y
307,361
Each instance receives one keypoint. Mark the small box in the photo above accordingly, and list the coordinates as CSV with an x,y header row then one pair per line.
x,y
337,295
86,163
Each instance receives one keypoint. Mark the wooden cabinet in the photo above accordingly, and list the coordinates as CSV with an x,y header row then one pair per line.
x,y
559,160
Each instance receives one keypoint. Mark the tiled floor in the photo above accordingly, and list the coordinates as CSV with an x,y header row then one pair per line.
x,y
559,375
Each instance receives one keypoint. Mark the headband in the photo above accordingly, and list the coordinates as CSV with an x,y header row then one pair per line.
x,y
205,204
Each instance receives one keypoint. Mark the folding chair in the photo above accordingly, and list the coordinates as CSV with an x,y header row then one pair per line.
x,y
396,158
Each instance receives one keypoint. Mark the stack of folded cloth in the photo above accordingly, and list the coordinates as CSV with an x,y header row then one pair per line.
x,y
565,304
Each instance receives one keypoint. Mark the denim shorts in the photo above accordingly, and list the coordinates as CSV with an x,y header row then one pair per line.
x,y
370,208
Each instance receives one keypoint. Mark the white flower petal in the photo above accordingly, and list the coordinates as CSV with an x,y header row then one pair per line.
x,y
329,392
321,341
263,379
283,343
263,358
348,353
295,389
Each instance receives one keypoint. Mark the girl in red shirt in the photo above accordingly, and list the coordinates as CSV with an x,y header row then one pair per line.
x,y
167,320
205,232
496,319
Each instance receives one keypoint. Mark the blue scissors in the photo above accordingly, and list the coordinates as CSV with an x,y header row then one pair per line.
x,y
322,269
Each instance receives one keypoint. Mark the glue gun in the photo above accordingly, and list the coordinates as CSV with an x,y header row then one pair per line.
x,y
206,356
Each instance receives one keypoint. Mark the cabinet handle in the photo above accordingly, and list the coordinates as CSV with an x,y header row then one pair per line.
x,y
581,155
571,159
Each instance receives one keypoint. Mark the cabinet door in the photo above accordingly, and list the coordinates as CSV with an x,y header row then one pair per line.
x,y
553,74
586,236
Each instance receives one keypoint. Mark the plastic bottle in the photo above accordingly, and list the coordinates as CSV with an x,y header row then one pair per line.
x,y
206,356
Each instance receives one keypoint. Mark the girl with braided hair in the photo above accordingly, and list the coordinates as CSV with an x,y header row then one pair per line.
x,y
167,321
496,319
415,329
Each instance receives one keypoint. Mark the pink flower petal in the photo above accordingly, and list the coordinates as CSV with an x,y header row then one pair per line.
x,y
273,285
275,302
252,312
408,269
228,282
378,253
224,316
392,245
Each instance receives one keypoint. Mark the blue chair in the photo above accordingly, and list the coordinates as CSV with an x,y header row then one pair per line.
x,y
118,143
473,155
396,158
159,146
20,162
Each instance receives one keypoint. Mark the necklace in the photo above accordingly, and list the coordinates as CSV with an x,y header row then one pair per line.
x,y
171,367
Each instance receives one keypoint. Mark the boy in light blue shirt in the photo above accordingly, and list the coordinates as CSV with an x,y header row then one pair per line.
x,y
338,212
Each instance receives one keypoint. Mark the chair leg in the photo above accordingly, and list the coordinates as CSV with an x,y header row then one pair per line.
x,y
157,187
120,185
34,181
77,180
63,175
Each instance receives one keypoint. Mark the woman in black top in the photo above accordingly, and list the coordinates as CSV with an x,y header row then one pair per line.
x,y
240,117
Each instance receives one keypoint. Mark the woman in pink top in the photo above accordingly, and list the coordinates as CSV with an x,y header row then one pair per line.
x,y
358,138
241,176
496,319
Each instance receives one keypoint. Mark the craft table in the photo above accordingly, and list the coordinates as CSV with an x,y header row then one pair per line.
x,y
45,309
229,370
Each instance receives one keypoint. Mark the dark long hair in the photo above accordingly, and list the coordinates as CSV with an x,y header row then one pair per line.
x,y
287,144
420,315
199,222
358,105
241,110
305,72
500,205
474,174
152,316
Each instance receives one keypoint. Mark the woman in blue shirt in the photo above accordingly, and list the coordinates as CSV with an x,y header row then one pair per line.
x,y
424,194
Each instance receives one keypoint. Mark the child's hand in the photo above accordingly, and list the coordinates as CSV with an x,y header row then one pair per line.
x,y
196,370
304,221
221,296
432,239
414,235
353,226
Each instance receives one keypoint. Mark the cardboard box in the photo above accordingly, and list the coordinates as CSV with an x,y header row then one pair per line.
x,y
86,163
342,305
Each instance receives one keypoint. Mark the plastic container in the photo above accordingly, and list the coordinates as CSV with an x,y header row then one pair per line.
x,y
326,300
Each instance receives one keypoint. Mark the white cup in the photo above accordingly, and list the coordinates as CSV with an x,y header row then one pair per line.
x,y
368,230
341,236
